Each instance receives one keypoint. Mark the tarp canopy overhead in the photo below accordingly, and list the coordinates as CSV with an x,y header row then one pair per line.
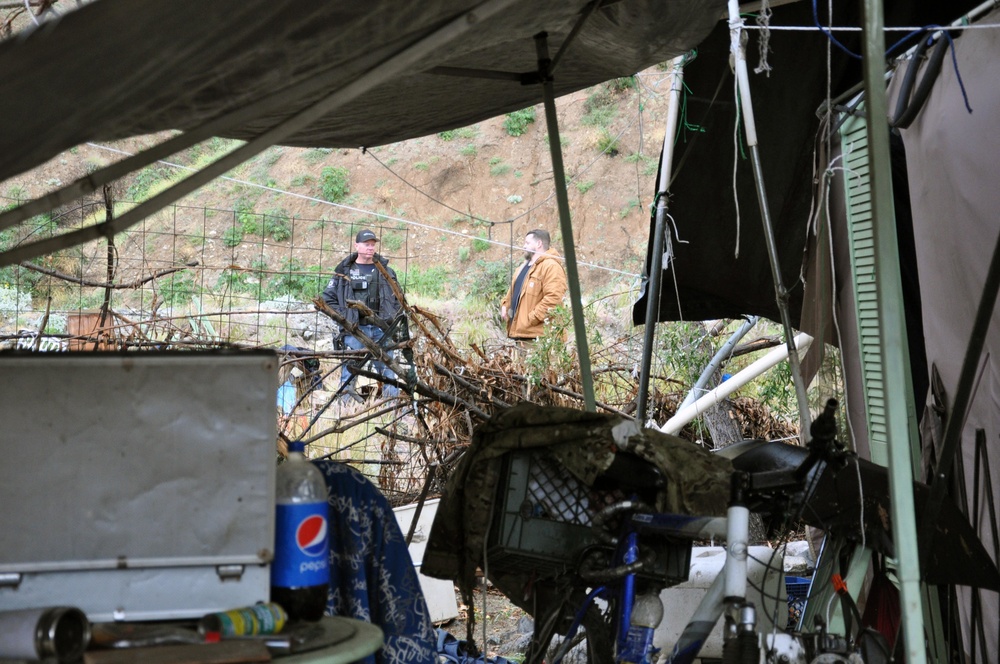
x,y
117,68
708,279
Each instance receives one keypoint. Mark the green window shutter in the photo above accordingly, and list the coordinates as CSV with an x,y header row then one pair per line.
x,y
857,188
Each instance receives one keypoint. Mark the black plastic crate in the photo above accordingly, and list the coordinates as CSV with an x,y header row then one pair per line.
x,y
543,517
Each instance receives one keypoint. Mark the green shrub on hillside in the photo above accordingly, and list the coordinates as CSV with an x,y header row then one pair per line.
x,y
178,289
333,183
234,281
316,155
233,236
429,282
276,224
144,180
516,123
480,244
623,84
250,222
392,242
632,204
499,169
606,143
295,279
246,219
489,281
277,228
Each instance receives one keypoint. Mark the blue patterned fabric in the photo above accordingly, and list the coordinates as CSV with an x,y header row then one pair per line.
x,y
372,576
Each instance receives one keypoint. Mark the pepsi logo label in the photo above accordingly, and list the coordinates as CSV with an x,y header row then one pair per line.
x,y
310,535
314,566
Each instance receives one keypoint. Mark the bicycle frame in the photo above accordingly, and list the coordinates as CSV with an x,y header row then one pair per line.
x,y
728,588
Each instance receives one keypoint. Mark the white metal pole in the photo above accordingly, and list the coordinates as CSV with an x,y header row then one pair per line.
x,y
688,413
661,232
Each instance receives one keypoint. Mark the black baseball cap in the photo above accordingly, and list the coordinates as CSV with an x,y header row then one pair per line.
x,y
365,236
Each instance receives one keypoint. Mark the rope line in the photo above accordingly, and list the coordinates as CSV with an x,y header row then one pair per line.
x,y
379,215
851,28
545,200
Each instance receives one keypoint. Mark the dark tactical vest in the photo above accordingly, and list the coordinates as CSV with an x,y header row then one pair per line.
x,y
364,284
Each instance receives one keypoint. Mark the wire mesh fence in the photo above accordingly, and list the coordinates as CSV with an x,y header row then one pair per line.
x,y
185,275
205,278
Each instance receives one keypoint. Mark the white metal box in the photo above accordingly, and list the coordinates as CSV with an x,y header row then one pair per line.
x,y
765,588
439,593
137,486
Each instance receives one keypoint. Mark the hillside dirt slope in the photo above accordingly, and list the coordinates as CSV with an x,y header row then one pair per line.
x,y
441,191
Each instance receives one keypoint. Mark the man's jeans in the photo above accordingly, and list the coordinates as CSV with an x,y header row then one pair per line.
x,y
374,333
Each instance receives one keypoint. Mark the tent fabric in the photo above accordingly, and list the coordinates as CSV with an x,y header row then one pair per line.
x,y
951,159
712,275
707,279
118,68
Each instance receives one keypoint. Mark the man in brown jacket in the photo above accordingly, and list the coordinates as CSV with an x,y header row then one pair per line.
x,y
535,290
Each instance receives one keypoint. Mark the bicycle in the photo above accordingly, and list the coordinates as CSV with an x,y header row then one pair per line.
x,y
623,574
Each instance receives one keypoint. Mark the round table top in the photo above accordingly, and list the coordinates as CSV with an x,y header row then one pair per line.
x,y
346,640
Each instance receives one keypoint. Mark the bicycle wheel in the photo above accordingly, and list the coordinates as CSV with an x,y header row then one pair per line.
x,y
600,644
593,644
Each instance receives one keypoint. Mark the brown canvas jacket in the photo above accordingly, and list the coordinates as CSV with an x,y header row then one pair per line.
x,y
543,290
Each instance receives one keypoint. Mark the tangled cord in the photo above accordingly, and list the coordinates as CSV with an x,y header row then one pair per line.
x,y
920,31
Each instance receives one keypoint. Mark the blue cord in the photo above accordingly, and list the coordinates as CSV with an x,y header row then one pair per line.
x,y
829,34
578,618
951,45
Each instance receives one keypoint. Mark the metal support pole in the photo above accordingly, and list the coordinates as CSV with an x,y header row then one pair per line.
x,y
781,293
716,361
893,334
660,232
565,223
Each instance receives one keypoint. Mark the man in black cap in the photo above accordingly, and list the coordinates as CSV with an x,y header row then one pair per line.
x,y
357,278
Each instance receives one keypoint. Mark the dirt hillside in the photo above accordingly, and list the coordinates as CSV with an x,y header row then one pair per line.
x,y
442,192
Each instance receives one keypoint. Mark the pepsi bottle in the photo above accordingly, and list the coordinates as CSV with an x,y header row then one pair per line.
x,y
300,571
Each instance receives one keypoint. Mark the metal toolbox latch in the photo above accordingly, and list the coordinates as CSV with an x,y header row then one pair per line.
x,y
229,572
10,579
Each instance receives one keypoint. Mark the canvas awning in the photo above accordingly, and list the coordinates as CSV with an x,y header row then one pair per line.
x,y
118,68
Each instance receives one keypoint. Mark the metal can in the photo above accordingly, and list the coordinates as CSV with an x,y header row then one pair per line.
x,y
62,632
257,619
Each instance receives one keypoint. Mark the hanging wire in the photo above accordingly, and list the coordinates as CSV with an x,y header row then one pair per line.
x,y
373,213
911,33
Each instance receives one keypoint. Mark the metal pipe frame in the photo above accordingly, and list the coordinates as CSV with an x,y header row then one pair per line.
x,y
660,232
565,224
892,334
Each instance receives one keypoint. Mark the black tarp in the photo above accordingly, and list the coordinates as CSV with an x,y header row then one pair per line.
x,y
118,68
708,280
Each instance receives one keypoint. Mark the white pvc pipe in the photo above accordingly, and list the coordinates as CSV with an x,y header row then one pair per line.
x,y
735,382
